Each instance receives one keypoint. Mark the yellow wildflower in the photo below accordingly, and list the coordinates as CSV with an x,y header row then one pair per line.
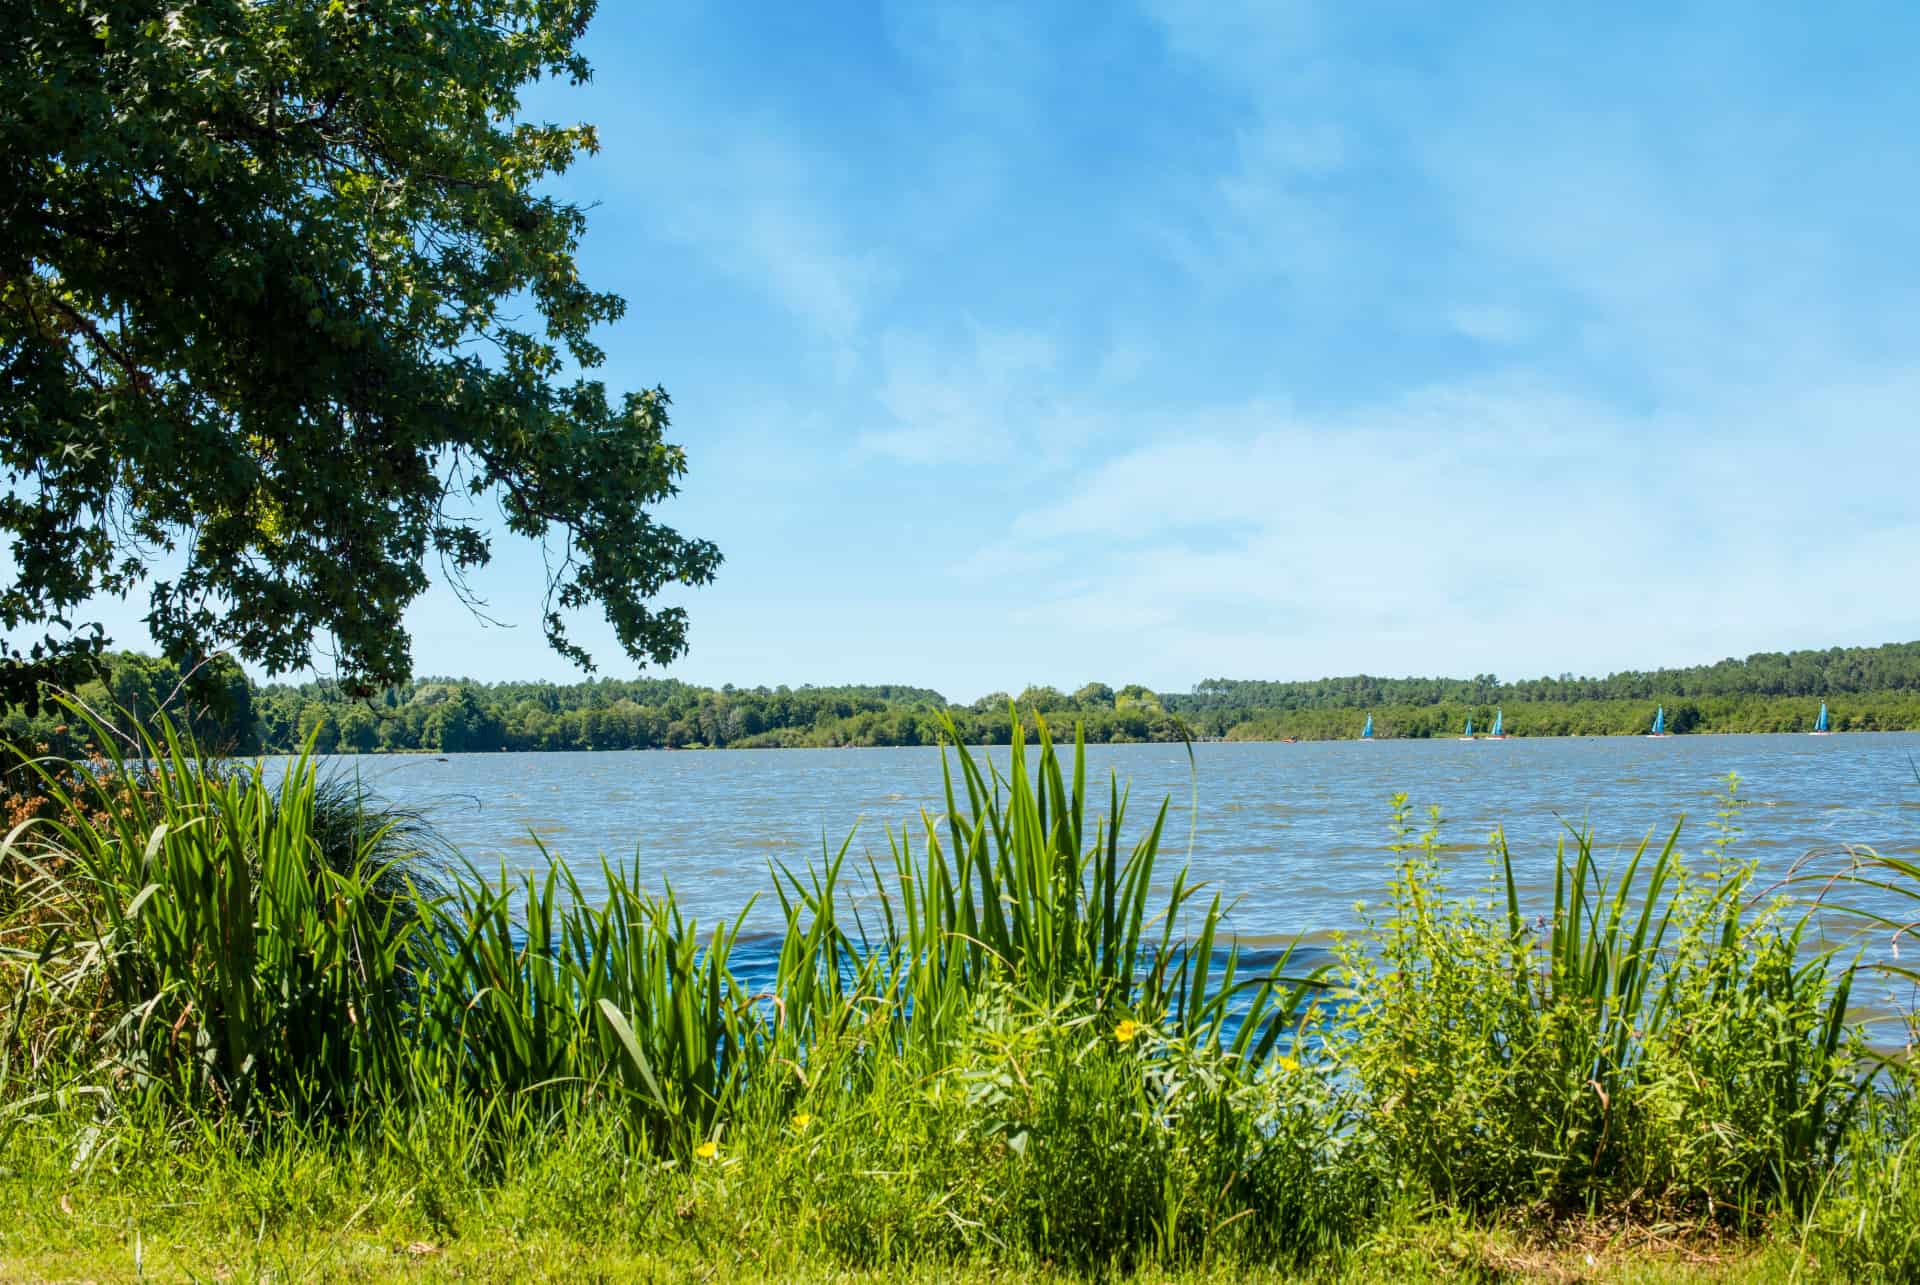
x,y
1125,1032
1289,1064
802,1120
707,1150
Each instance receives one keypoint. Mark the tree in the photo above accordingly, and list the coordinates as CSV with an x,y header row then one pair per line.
x,y
359,730
993,703
1044,700
281,302
317,723
1094,696
461,725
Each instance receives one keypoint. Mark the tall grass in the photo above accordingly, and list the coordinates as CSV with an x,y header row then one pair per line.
x,y
1026,891
1869,1228
207,935
1015,1028
541,992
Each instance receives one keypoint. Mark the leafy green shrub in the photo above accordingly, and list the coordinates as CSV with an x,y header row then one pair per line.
x,y
1115,1146
1658,1043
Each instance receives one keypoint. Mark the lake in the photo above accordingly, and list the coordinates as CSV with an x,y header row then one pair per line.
x,y
1297,833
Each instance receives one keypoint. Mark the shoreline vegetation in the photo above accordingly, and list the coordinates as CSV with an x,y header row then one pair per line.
x,y
268,1027
1866,688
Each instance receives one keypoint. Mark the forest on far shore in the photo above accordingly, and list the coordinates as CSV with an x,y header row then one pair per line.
x,y
1867,689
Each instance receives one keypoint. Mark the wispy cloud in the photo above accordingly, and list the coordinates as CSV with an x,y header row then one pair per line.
x,y
944,404
751,200
984,59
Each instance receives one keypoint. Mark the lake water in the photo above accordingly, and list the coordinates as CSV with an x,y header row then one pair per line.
x,y
1297,833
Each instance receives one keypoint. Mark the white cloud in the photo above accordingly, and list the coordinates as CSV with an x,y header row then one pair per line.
x,y
1004,559
1269,215
1500,524
1271,212
797,257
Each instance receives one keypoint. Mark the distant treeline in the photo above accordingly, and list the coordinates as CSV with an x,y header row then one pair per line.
x,y
1867,688
1838,671
1869,712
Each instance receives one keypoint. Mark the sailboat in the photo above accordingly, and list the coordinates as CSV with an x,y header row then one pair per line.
x,y
1469,732
1659,722
1496,734
1820,727
1366,733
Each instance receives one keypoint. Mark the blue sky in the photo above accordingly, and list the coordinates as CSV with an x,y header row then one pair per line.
x,y
1031,343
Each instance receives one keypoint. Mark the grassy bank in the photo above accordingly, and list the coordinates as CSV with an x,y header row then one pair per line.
x,y
257,1024
167,1207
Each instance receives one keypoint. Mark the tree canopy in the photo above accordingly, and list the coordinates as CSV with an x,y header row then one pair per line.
x,y
282,301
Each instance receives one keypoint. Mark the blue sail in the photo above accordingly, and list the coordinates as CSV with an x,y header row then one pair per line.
x,y
1496,722
1660,721
1469,726
1821,726
1366,733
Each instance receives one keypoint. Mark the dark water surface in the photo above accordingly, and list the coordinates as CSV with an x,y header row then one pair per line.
x,y
1297,833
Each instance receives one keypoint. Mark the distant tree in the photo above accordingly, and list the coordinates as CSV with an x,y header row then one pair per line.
x,y
1044,700
461,725
359,730
1094,696
317,723
992,703
281,295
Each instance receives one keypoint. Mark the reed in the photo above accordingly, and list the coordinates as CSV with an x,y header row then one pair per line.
x,y
1018,887
540,992
192,935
